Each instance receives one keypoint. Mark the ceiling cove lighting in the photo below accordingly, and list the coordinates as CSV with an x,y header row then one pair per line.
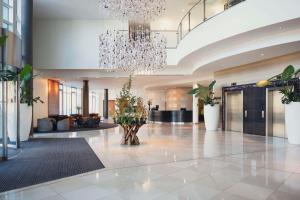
x,y
138,51
143,10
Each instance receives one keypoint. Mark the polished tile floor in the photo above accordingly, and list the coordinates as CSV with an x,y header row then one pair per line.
x,y
180,162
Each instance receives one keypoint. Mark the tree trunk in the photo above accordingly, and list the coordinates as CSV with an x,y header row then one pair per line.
x,y
130,135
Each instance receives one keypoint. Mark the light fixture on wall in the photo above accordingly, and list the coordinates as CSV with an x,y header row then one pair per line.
x,y
144,10
138,50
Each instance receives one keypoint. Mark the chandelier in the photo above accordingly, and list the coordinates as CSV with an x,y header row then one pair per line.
x,y
137,50
143,10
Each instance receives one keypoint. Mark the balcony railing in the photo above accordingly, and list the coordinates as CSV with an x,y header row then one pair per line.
x,y
198,14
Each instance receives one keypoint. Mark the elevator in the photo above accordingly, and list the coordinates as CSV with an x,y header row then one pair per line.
x,y
234,111
244,109
275,114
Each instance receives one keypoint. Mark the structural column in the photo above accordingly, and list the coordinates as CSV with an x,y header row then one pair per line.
x,y
27,42
85,98
195,107
27,31
105,104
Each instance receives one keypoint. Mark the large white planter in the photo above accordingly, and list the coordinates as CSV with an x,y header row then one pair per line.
x,y
212,117
292,122
25,124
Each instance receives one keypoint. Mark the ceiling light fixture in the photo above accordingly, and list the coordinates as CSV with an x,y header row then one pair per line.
x,y
143,10
138,51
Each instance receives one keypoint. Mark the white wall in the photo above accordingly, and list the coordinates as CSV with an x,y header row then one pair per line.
x,y
244,17
69,43
40,88
255,72
170,98
73,44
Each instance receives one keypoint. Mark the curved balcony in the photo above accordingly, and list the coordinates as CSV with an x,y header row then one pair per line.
x,y
200,13
251,31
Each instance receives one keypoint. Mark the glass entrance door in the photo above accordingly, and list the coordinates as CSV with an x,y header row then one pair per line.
x,y
8,113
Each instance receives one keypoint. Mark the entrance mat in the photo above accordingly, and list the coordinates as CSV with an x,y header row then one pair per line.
x,y
43,160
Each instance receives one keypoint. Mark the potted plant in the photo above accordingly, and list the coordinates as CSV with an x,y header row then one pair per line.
x,y
25,76
26,101
291,100
130,114
211,106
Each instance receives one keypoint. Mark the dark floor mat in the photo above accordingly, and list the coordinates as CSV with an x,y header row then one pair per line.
x,y
101,126
43,160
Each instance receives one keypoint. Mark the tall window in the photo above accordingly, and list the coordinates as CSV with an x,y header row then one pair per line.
x,y
11,15
8,14
69,100
18,17
73,100
61,103
94,103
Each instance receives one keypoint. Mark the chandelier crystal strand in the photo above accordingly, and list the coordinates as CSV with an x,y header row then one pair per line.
x,y
137,51
144,10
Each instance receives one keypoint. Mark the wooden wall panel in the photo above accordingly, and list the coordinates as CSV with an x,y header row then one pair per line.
x,y
53,97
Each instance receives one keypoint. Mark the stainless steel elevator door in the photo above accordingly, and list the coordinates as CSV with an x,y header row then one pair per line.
x,y
234,111
276,115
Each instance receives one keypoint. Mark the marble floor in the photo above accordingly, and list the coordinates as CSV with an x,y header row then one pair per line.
x,y
181,162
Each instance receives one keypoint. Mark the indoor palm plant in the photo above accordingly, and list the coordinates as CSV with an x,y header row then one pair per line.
x,y
211,106
130,114
291,99
26,100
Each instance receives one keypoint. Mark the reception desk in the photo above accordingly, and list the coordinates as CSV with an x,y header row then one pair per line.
x,y
176,116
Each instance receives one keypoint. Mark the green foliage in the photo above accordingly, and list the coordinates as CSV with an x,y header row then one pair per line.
x,y
8,75
205,94
26,76
130,109
3,40
288,90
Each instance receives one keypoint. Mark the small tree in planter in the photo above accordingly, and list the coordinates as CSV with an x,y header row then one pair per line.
x,y
130,114
290,98
26,101
211,106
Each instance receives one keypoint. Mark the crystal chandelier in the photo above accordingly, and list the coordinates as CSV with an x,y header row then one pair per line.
x,y
144,10
137,51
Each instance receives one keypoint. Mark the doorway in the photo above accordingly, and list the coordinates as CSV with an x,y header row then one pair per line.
x,y
254,111
234,111
275,115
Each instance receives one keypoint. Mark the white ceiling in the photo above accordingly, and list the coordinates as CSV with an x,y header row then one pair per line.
x,y
90,10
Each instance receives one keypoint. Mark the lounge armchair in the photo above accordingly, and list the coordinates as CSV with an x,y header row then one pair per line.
x,y
45,125
63,125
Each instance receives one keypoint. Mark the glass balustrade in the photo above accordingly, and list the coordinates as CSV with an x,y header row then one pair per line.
x,y
199,13
214,7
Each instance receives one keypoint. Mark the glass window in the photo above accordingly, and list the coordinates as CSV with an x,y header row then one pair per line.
x,y
79,101
8,14
69,100
18,18
61,99
73,100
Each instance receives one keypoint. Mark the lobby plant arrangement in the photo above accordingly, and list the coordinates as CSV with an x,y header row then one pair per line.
x,y
211,106
291,100
130,114
26,101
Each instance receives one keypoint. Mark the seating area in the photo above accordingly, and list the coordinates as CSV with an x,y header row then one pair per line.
x,y
150,100
66,123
